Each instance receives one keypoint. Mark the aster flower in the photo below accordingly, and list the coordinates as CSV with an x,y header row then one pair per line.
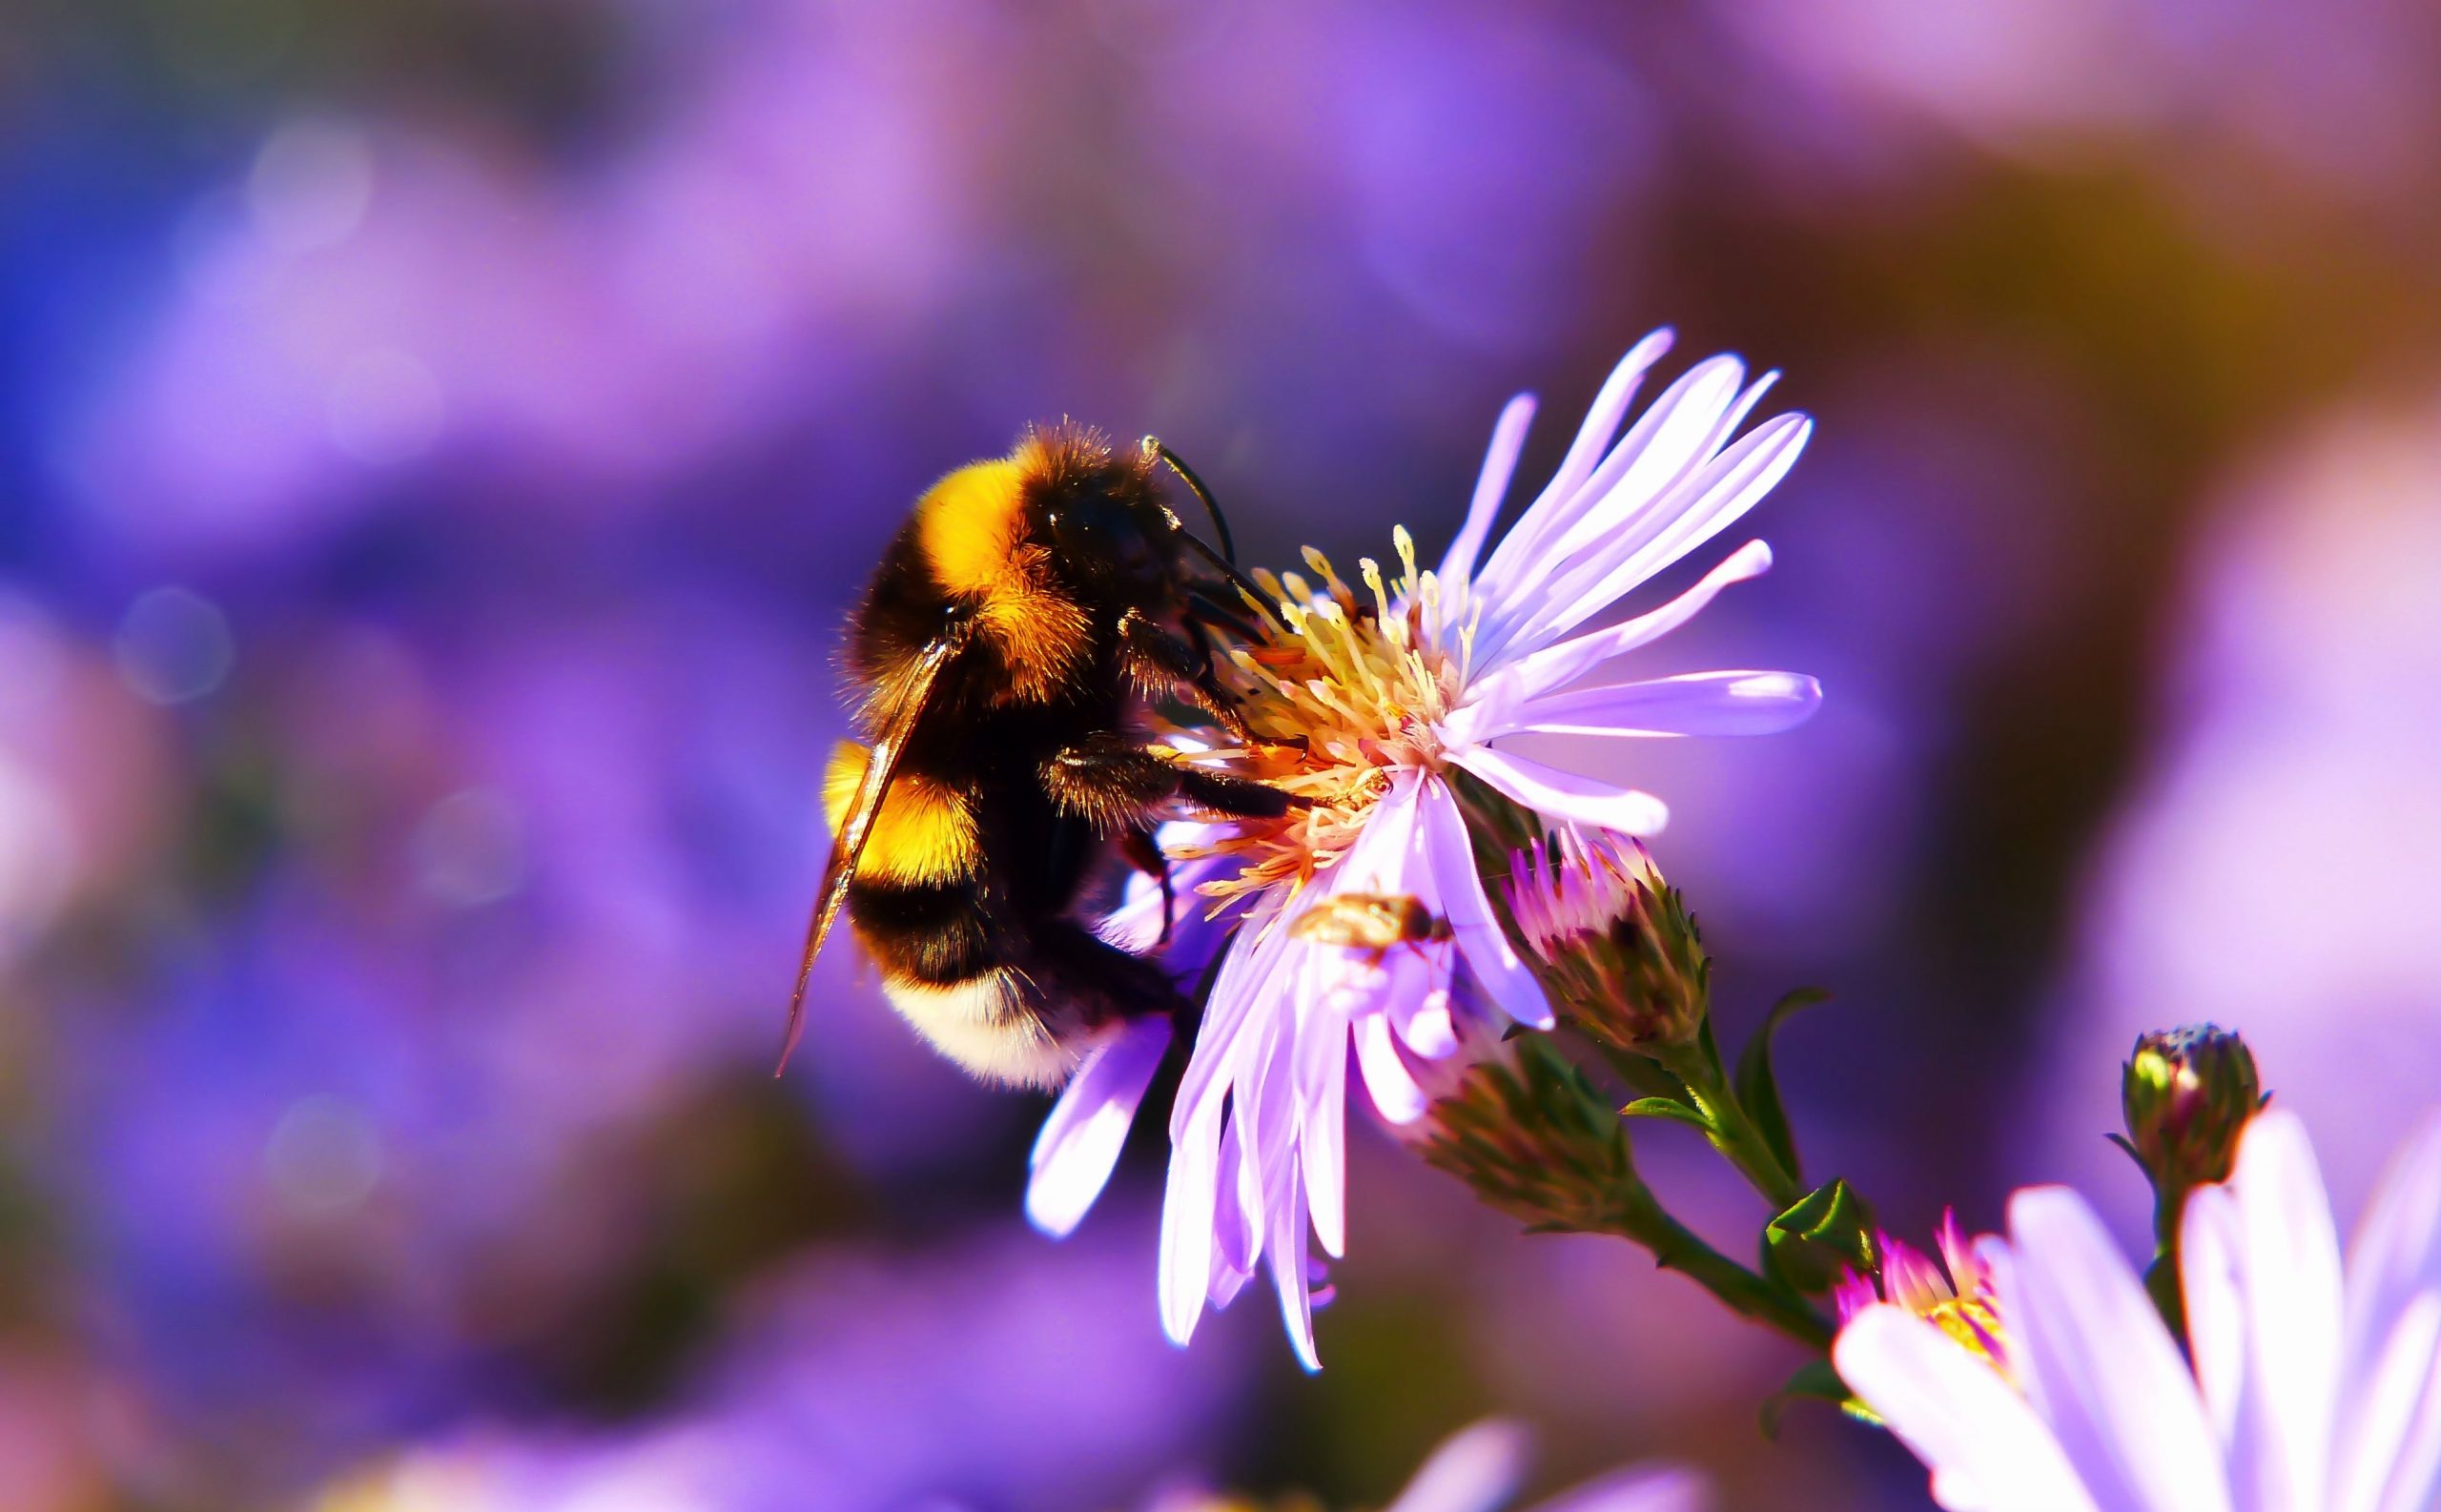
x,y
1954,1292
1384,709
2315,1386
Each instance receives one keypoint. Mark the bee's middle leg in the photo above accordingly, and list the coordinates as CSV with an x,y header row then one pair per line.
x,y
1113,781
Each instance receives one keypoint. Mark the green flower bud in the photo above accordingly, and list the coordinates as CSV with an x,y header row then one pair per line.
x,y
2187,1094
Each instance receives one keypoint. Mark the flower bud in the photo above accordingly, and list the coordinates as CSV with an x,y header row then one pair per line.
x,y
1536,1140
2187,1094
1614,943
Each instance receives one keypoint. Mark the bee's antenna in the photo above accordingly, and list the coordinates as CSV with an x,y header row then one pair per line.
x,y
1194,484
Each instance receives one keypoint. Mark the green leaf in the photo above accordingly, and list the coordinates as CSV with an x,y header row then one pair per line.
x,y
1814,1381
1758,1090
1823,1236
1666,1108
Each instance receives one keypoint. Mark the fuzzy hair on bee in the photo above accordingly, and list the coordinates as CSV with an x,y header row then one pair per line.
x,y
1003,655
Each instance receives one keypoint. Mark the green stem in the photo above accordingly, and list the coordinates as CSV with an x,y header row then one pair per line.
x,y
1731,1131
1675,1247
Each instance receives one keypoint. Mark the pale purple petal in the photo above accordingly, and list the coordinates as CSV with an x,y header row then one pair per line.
x,y
1249,977
1987,1449
2098,1364
1558,795
2390,1444
1187,1215
1388,1081
1682,431
1450,857
1081,1140
1695,703
1558,666
1284,1252
2396,1254
1704,505
2216,1307
1233,1230
1491,486
1322,1139
1264,1111
1476,1470
2289,1268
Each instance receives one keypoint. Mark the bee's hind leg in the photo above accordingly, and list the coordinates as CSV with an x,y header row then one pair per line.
x,y
1111,983
1143,853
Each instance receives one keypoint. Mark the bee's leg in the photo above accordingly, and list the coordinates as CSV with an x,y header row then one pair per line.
x,y
1143,853
1111,983
1164,665
1112,783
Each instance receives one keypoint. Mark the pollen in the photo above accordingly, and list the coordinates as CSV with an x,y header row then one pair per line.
x,y
1345,685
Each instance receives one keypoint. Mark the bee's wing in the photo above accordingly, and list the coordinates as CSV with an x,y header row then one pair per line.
x,y
913,690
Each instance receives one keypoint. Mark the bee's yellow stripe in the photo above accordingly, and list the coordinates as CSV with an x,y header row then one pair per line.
x,y
925,832
971,531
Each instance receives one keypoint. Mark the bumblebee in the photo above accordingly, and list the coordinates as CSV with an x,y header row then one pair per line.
x,y
1017,627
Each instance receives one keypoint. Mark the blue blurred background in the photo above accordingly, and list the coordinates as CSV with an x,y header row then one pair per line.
x,y
438,440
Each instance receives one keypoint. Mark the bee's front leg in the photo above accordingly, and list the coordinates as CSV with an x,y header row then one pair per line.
x,y
1165,665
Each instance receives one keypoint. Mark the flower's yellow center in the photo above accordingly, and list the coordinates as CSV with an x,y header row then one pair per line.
x,y
1975,1323
1336,693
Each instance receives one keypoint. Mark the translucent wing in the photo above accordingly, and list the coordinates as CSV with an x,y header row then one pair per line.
x,y
913,690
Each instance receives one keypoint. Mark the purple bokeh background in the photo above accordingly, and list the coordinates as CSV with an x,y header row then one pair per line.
x,y
439,442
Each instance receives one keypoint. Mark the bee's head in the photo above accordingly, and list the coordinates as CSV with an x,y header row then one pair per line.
x,y
1101,512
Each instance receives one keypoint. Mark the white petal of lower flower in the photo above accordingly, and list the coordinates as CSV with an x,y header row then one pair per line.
x,y
2216,1306
1475,1471
1565,795
2291,1272
1988,1450
1685,428
1081,1140
2388,1444
1696,704
2396,1256
1321,1118
2100,1366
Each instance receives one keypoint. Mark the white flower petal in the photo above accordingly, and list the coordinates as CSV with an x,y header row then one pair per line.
x,y
2098,1364
1491,486
1475,1471
1231,1227
1558,795
1696,704
1986,1447
1450,858
2289,1268
1081,1140
1645,1488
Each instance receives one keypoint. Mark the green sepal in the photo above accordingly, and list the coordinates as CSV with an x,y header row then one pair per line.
x,y
1815,1381
1666,1108
1758,1090
1826,1234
